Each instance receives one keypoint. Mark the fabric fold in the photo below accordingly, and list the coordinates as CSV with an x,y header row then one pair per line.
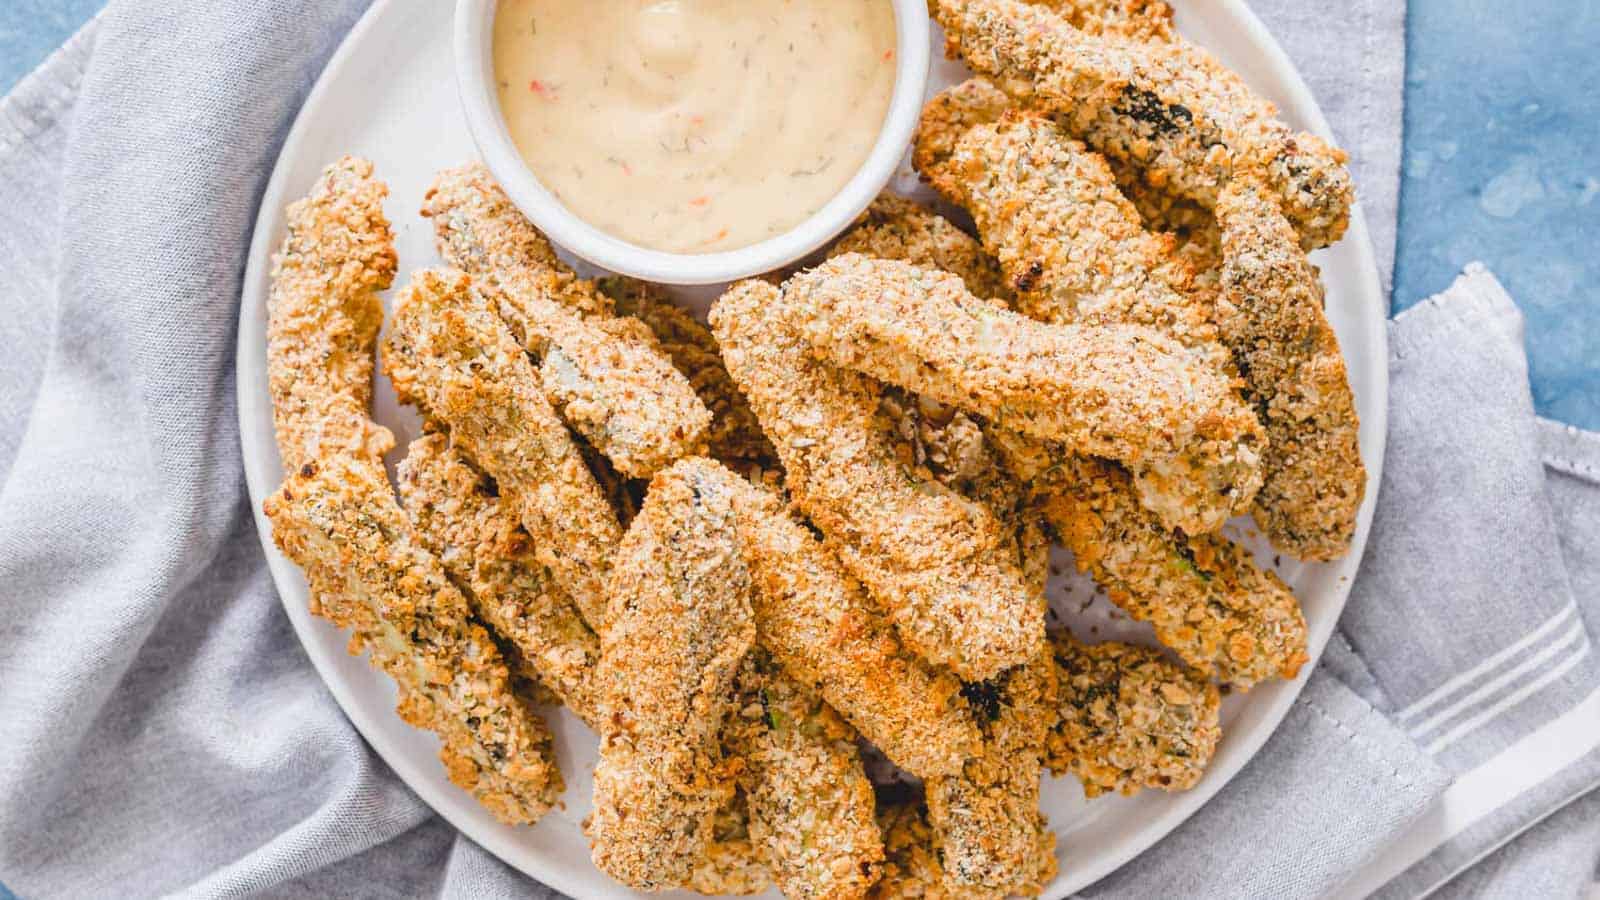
x,y
1511,517
1334,783
1463,608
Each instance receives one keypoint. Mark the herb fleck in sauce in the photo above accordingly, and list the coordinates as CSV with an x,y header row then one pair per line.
x,y
694,126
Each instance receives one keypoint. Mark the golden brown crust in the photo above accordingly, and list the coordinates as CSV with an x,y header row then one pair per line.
x,y
1129,719
1070,243
606,376
460,516
1168,107
810,803
323,317
730,864
987,827
896,228
946,119
990,835
338,520
1204,595
911,870
449,354
938,563
1271,314
477,224
819,624
679,626
735,437
1134,20
1207,598
951,448
1122,392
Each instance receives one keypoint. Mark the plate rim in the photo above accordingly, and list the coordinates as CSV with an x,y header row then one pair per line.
x,y
364,715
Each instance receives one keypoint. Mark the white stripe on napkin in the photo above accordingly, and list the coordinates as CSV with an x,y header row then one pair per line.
x,y
1510,700
1575,634
1513,772
1488,666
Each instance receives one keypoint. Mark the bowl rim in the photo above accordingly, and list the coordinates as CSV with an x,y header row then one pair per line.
x,y
474,64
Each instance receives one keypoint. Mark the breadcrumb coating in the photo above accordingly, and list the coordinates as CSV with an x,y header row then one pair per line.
x,y
323,316
1163,211
1135,20
1122,392
482,544
475,219
810,803
991,838
735,436
1188,229
1070,243
449,354
606,375
946,119
987,826
896,228
459,514
1204,595
1130,719
1192,230
1168,107
730,864
1271,313
338,520
911,870
820,626
951,447
938,563
679,627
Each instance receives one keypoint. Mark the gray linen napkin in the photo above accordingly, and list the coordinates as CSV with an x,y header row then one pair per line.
x,y
161,731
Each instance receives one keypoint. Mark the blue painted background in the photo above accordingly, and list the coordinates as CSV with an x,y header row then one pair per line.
x,y
1502,140
1502,164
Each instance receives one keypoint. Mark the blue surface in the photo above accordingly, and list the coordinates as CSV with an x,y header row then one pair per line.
x,y
1502,134
30,30
1502,129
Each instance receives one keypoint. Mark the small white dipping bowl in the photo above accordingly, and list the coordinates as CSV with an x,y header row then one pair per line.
x,y
474,32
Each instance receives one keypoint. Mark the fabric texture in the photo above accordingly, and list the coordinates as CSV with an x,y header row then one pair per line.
x,y
1485,651
1353,57
161,731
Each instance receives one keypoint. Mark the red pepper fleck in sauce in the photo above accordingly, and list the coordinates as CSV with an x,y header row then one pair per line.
x,y
763,109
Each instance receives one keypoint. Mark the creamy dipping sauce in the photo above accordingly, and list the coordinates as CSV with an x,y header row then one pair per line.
x,y
694,126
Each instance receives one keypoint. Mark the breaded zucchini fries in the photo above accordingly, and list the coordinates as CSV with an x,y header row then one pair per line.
x,y
791,560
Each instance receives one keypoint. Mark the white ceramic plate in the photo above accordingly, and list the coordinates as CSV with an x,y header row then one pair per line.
x,y
389,94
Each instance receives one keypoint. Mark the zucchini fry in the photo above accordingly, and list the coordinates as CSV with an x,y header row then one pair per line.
x,y
811,805
1205,596
323,317
1129,718
1271,314
460,516
1125,393
1169,108
990,835
820,626
735,437
338,520
449,354
679,627
605,375
937,562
